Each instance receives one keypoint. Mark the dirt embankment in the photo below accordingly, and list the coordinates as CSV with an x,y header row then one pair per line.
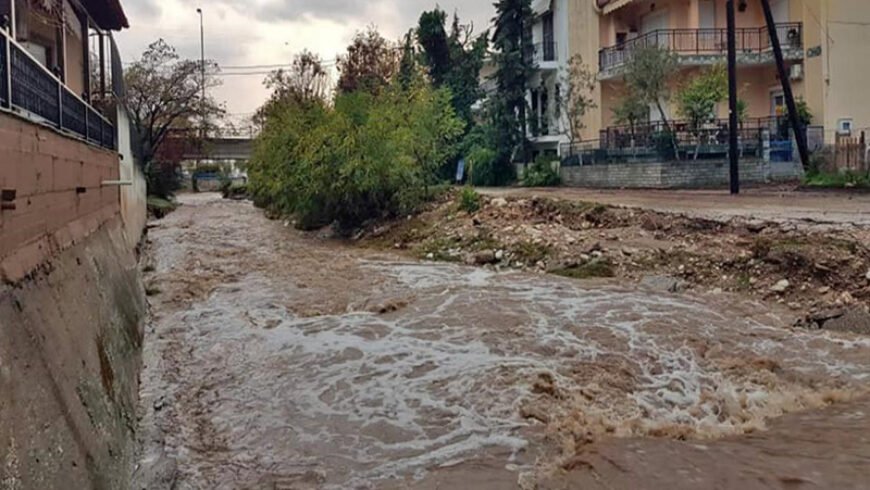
x,y
822,275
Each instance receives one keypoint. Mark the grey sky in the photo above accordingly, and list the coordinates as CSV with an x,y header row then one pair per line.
x,y
265,32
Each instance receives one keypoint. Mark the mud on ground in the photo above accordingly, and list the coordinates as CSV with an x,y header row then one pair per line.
x,y
822,274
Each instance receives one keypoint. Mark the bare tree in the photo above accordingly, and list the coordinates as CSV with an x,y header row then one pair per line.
x,y
305,82
165,93
370,64
576,85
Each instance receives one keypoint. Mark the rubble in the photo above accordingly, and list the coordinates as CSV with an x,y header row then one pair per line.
x,y
808,269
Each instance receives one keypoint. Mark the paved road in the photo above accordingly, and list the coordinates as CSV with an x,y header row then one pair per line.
x,y
781,205
277,360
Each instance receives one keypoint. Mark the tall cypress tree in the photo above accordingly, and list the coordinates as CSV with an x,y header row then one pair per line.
x,y
453,60
515,65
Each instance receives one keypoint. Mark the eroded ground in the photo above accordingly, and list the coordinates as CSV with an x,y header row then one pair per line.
x,y
277,359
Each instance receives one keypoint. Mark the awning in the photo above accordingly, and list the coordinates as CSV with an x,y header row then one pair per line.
x,y
541,7
108,14
609,6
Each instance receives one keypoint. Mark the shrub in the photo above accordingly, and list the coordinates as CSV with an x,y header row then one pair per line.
x,y
366,157
469,200
482,166
163,179
541,173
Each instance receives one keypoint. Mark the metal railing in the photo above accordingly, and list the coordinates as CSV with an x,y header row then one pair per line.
x,y
28,86
652,141
702,42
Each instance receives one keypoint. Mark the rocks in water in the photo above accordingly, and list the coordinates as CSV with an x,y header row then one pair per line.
x,y
483,257
780,287
664,283
499,255
855,320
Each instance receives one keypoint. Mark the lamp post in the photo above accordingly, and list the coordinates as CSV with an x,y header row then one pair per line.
x,y
202,75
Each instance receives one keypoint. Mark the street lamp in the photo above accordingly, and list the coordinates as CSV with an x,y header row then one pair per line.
x,y
202,73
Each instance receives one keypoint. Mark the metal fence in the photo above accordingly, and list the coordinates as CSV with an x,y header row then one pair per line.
x,y
28,86
702,42
679,140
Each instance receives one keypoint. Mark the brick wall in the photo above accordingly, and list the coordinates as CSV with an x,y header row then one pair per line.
x,y
690,174
59,197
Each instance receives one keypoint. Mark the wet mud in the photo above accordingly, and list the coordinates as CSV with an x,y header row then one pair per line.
x,y
277,359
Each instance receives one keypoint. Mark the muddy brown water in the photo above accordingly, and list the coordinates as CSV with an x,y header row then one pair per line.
x,y
279,360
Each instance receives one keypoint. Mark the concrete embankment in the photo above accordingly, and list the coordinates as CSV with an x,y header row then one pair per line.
x,y
70,353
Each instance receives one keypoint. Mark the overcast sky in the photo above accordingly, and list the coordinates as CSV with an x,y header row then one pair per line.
x,y
266,32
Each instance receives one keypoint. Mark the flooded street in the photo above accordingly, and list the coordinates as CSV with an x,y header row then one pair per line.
x,y
275,359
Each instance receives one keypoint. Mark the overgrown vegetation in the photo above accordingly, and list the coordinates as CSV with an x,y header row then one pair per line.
x,y
541,173
841,180
469,200
370,154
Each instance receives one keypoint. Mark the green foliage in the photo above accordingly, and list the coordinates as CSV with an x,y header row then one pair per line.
x,y
631,111
370,64
514,59
371,155
483,167
163,178
841,180
697,99
804,114
159,206
541,173
453,60
469,200
648,72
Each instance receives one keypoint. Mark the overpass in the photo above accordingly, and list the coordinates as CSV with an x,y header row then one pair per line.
x,y
222,149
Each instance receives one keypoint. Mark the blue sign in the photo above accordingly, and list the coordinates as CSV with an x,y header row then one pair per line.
x,y
460,171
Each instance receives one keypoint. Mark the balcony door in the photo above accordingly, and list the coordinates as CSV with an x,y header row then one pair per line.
x,y
654,25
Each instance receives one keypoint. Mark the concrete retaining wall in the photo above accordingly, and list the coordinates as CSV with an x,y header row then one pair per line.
x,y
70,338
133,198
59,197
688,174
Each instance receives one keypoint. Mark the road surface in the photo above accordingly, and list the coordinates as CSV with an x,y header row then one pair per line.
x,y
280,360
783,205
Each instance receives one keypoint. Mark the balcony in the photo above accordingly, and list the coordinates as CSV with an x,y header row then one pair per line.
x,y
546,55
27,86
698,47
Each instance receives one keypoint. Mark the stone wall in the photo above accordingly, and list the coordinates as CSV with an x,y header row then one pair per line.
x,y
58,199
687,174
70,343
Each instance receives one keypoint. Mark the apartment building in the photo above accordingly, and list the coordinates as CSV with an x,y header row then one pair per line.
x,y
822,42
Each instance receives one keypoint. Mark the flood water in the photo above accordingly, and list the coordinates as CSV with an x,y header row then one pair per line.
x,y
279,360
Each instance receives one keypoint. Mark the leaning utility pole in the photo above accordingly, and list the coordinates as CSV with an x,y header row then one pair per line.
x,y
733,143
800,135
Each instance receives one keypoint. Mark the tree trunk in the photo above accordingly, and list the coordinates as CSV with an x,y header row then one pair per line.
x,y
668,129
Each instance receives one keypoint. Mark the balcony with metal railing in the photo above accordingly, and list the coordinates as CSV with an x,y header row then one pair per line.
x,y
28,87
698,47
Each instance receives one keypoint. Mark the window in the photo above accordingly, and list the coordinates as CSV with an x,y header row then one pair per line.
x,y
845,126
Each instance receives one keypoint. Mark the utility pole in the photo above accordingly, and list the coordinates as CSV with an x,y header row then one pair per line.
x,y
733,143
800,135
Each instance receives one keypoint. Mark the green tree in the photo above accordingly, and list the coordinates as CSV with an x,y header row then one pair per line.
x,y
305,82
698,98
648,72
514,59
453,60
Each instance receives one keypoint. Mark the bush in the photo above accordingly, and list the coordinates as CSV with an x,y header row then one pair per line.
x,y
839,180
482,169
368,156
469,200
541,173
163,179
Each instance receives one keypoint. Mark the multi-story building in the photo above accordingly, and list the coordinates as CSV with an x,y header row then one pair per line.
x,y
822,42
